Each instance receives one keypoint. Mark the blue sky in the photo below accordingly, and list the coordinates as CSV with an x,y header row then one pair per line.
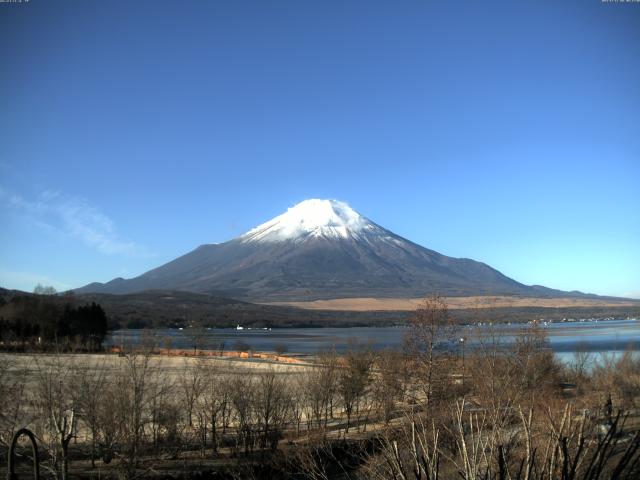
x,y
507,132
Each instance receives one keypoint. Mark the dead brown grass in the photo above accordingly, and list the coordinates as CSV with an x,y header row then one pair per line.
x,y
395,304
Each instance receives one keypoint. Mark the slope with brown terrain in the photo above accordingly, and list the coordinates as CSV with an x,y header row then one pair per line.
x,y
456,303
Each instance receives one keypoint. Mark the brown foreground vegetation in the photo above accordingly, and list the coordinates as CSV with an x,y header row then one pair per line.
x,y
496,412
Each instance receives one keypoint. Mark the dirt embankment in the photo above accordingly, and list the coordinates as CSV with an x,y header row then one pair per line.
x,y
231,354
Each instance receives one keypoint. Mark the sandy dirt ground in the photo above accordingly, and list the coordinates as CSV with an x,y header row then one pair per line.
x,y
395,304
172,366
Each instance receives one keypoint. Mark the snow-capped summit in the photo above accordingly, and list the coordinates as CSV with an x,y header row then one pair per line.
x,y
319,249
313,218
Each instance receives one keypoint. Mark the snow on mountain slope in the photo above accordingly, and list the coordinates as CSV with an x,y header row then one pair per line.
x,y
319,249
330,219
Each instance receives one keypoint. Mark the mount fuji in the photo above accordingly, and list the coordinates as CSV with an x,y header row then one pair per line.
x,y
321,249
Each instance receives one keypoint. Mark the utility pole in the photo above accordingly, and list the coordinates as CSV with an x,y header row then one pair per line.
x,y
462,341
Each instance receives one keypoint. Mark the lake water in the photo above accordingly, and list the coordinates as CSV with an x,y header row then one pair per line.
x,y
565,338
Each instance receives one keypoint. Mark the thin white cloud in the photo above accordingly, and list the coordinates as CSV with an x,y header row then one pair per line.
x,y
58,213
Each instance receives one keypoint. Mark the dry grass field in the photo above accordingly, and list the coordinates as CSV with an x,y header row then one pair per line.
x,y
171,366
455,303
145,415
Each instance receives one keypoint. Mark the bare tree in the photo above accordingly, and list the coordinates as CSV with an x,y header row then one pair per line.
x,y
272,405
198,338
299,404
165,409
412,452
44,290
280,349
111,418
90,383
624,378
132,397
354,379
534,362
581,364
321,388
242,401
212,404
430,328
389,382
57,407
13,413
493,377
191,384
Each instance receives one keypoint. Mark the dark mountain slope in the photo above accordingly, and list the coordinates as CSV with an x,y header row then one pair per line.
x,y
316,250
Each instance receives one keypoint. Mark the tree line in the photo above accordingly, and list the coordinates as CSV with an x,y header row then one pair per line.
x,y
45,322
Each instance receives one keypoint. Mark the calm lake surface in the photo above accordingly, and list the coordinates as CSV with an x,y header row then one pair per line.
x,y
565,338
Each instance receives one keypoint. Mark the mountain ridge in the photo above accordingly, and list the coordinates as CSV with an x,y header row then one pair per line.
x,y
321,249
